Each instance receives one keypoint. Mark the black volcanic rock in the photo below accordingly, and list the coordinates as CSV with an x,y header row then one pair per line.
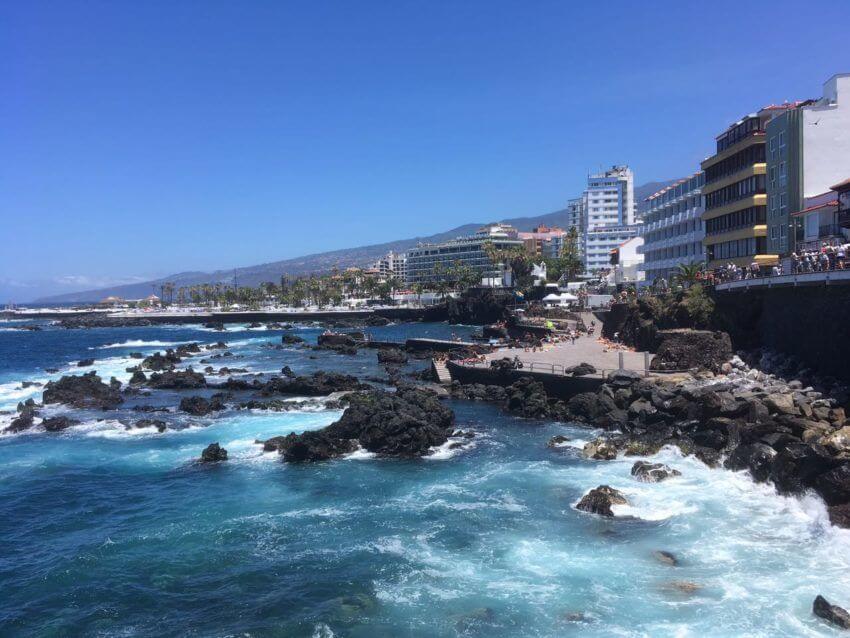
x,y
528,398
317,384
683,349
85,363
600,499
177,380
199,406
405,424
834,614
58,423
150,423
652,472
24,420
86,391
213,453
291,340
391,356
159,361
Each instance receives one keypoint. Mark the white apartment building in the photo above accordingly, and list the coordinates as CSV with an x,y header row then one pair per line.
x,y
391,265
600,242
425,262
608,215
673,229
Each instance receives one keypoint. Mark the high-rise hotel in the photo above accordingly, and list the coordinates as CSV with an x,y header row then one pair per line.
x,y
735,194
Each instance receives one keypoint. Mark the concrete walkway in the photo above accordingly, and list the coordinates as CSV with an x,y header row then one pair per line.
x,y
585,349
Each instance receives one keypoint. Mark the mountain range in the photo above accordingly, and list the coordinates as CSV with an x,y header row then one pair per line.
x,y
317,262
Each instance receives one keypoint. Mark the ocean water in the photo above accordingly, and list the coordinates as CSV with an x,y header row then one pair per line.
x,y
110,532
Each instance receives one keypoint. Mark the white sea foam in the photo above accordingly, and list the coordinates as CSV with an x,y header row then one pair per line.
x,y
360,455
139,343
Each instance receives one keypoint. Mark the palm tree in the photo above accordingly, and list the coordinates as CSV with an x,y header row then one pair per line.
x,y
689,274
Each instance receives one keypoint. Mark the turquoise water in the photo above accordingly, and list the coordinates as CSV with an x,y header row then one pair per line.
x,y
106,532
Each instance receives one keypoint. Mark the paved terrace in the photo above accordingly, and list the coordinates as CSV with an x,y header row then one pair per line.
x,y
557,356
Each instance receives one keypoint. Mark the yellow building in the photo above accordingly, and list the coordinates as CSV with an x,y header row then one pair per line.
x,y
735,194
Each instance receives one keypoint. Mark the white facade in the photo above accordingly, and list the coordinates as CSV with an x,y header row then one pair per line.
x,y
673,229
826,137
600,241
391,265
609,199
608,212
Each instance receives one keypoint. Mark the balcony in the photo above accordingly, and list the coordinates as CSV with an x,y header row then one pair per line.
x,y
844,218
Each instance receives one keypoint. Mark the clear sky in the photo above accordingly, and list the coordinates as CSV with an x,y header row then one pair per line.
x,y
140,139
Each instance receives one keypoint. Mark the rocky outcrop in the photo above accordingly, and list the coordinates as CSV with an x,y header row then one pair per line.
x,y
160,425
653,472
580,370
97,320
333,339
406,424
600,499
24,420
213,453
199,406
85,363
479,307
391,356
58,423
685,349
317,384
528,399
600,450
291,340
833,614
177,380
86,391
160,361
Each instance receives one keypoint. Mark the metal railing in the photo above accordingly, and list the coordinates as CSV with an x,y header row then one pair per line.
x,y
558,369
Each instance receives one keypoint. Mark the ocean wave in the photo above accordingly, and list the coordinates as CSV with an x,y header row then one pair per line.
x,y
139,343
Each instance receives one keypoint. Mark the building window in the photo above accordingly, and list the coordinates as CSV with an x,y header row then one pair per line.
x,y
782,169
781,139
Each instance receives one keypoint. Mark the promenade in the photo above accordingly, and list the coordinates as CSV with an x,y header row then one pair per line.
x,y
557,356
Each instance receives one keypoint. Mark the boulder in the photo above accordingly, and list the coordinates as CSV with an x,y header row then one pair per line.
x,y
833,614
756,457
839,515
834,485
317,384
406,424
781,403
213,453
199,406
159,361
58,423
84,363
150,423
528,399
24,420
138,378
668,558
391,356
623,378
177,380
291,340
86,391
557,441
683,349
653,472
600,450
580,370
287,372
600,499
336,339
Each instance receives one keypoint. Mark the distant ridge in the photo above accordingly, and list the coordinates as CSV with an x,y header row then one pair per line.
x,y
315,263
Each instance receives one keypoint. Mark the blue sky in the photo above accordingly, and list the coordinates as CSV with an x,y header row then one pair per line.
x,y
146,138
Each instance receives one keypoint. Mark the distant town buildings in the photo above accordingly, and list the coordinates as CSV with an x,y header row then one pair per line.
x,y
808,151
543,241
391,265
626,260
431,262
672,228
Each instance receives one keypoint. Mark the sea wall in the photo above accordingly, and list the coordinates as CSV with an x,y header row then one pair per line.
x,y
557,386
807,322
